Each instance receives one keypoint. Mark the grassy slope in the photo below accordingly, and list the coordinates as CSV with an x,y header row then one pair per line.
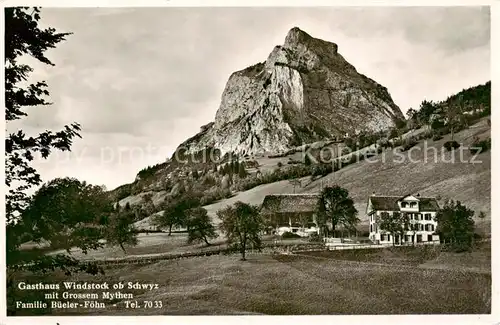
x,y
466,182
389,282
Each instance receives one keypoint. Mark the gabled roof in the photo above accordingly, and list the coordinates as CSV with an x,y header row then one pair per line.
x,y
428,204
390,203
289,203
416,197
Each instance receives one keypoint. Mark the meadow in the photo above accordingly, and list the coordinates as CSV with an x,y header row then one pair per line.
x,y
410,280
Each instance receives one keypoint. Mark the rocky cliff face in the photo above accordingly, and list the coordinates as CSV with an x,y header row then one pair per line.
x,y
304,92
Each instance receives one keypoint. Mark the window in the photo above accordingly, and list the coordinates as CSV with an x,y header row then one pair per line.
x,y
371,228
413,204
382,237
428,216
403,204
431,227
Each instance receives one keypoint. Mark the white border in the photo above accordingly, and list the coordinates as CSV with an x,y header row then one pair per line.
x,y
494,318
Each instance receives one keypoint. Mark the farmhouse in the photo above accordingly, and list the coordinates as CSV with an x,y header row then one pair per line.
x,y
419,213
295,213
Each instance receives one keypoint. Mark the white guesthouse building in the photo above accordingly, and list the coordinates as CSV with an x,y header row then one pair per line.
x,y
420,211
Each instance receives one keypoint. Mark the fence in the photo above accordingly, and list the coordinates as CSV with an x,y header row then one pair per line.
x,y
267,248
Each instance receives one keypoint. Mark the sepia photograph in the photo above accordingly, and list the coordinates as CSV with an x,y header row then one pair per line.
x,y
315,160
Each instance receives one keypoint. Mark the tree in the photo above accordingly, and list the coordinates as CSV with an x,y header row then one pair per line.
x,y
336,206
411,113
427,109
455,224
242,225
67,213
149,206
24,37
175,212
394,224
307,160
452,118
120,230
295,183
242,173
199,225
172,216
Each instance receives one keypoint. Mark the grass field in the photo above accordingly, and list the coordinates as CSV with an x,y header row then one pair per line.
x,y
388,281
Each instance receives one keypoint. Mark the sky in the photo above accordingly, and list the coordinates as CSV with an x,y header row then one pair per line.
x,y
142,80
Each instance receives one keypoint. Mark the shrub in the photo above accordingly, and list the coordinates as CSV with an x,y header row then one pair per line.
x,y
480,146
437,137
443,130
451,145
393,133
280,164
315,238
322,169
210,197
123,193
409,143
289,235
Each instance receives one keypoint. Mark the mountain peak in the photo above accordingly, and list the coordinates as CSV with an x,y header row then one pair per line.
x,y
304,92
296,37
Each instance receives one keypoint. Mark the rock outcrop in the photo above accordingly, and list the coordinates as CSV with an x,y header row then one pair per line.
x,y
304,92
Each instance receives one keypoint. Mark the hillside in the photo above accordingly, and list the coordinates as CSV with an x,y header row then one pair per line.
x,y
469,183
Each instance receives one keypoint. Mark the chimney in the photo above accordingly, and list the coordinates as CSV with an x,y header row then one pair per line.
x,y
373,193
418,194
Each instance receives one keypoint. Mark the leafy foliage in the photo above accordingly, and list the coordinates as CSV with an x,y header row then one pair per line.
x,y
289,235
242,225
479,146
451,145
455,225
66,213
151,170
23,36
242,172
199,226
394,223
120,229
336,206
175,213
